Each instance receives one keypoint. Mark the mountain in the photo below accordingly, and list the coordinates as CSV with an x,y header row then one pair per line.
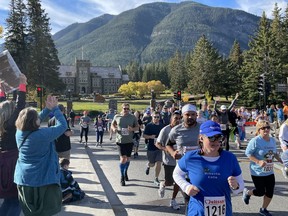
x,y
153,32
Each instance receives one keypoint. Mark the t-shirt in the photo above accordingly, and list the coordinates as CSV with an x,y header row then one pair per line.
x,y
211,179
163,138
123,121
262,150
152,129
84,121
185,138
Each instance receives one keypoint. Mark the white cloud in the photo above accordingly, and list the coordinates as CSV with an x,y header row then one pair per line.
x,y
258,6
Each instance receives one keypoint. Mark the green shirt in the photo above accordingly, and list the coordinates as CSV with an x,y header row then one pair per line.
x,y
123,135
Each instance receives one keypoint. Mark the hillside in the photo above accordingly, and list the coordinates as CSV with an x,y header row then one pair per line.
x,y
153,32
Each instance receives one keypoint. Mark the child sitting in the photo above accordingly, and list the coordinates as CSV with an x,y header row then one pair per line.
x,y
70,188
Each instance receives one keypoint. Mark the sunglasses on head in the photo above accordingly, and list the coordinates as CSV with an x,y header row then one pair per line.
x,y
215,138
267,127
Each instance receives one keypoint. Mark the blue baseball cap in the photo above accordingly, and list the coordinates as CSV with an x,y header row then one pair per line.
x,y
210,128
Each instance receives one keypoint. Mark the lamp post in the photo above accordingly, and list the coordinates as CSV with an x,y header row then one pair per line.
x,y
69,101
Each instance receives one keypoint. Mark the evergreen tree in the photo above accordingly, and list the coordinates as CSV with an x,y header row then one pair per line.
x,y
43,59
204,69
177,73
16,38
256,62
232,81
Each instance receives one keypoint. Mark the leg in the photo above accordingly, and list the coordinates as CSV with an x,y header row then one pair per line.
x,y
157,168
81,133
10,207
86,134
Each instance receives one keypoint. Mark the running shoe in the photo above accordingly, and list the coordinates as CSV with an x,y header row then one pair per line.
x,y
245,196
285,172
264,212
156,182
122,181
147,170
174,204
86,145
126,177
161,190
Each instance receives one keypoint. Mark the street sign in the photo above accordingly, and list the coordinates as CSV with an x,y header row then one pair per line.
x,y
281,87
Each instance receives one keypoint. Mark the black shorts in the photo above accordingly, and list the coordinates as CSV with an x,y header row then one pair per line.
x,y
125,149
169,174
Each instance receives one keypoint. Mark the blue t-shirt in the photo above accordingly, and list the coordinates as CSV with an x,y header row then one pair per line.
x,y
211,179
262,150
152,129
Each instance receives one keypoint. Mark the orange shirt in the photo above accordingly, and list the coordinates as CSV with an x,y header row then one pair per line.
x,y
285,110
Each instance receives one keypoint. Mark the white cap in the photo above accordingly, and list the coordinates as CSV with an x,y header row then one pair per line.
x,y
223,107
189,107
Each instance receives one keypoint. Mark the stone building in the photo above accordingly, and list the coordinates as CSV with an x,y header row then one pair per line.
x,y
83,78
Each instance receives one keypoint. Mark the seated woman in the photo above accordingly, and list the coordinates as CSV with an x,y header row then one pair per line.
x,y
70,188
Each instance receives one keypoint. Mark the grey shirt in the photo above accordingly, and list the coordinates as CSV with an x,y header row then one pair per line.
x,y
186,138
163,138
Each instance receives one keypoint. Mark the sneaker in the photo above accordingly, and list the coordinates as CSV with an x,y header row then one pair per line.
x,y
161,190
122,181
110,138
101,145
156,182
174,204
245,196
147,170
86,145
265,212
285,172
97,144
80,141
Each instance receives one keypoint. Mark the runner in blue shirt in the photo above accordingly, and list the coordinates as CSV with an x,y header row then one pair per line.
x,y
261,151
213,174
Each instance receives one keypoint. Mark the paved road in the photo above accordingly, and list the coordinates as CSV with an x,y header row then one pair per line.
x,y
97,171
140,196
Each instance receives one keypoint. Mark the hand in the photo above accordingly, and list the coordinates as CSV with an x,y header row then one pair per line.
x,y
130,129
192,190
217,98
237,95
51,102
232,181
176,155
22,79
261,163
69,133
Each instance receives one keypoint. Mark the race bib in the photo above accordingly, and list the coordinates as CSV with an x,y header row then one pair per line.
x,y
215,206
268,167
100,129
223,126
124,132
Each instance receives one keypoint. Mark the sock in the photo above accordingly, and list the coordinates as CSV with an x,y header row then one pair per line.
x,y
122,168
126,166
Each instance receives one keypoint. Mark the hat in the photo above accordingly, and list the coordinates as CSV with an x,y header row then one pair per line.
x,y
177,112
188,107
148,112
223,107
210,128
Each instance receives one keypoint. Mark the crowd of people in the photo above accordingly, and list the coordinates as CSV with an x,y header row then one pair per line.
x,y
192,145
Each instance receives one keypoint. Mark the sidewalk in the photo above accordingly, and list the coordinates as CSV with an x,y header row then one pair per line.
x,y
95,201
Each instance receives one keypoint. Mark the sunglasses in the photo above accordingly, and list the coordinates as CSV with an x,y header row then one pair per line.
x,y
156,116
126,108
267,127
215,138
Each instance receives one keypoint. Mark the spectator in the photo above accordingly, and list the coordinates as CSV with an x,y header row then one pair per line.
x,y
109,118
9,111
37,173
62,143
70,188
283,138
285,110
137,134
280,115
72,116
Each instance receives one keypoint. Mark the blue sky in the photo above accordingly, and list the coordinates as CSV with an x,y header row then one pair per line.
x,y
65,12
